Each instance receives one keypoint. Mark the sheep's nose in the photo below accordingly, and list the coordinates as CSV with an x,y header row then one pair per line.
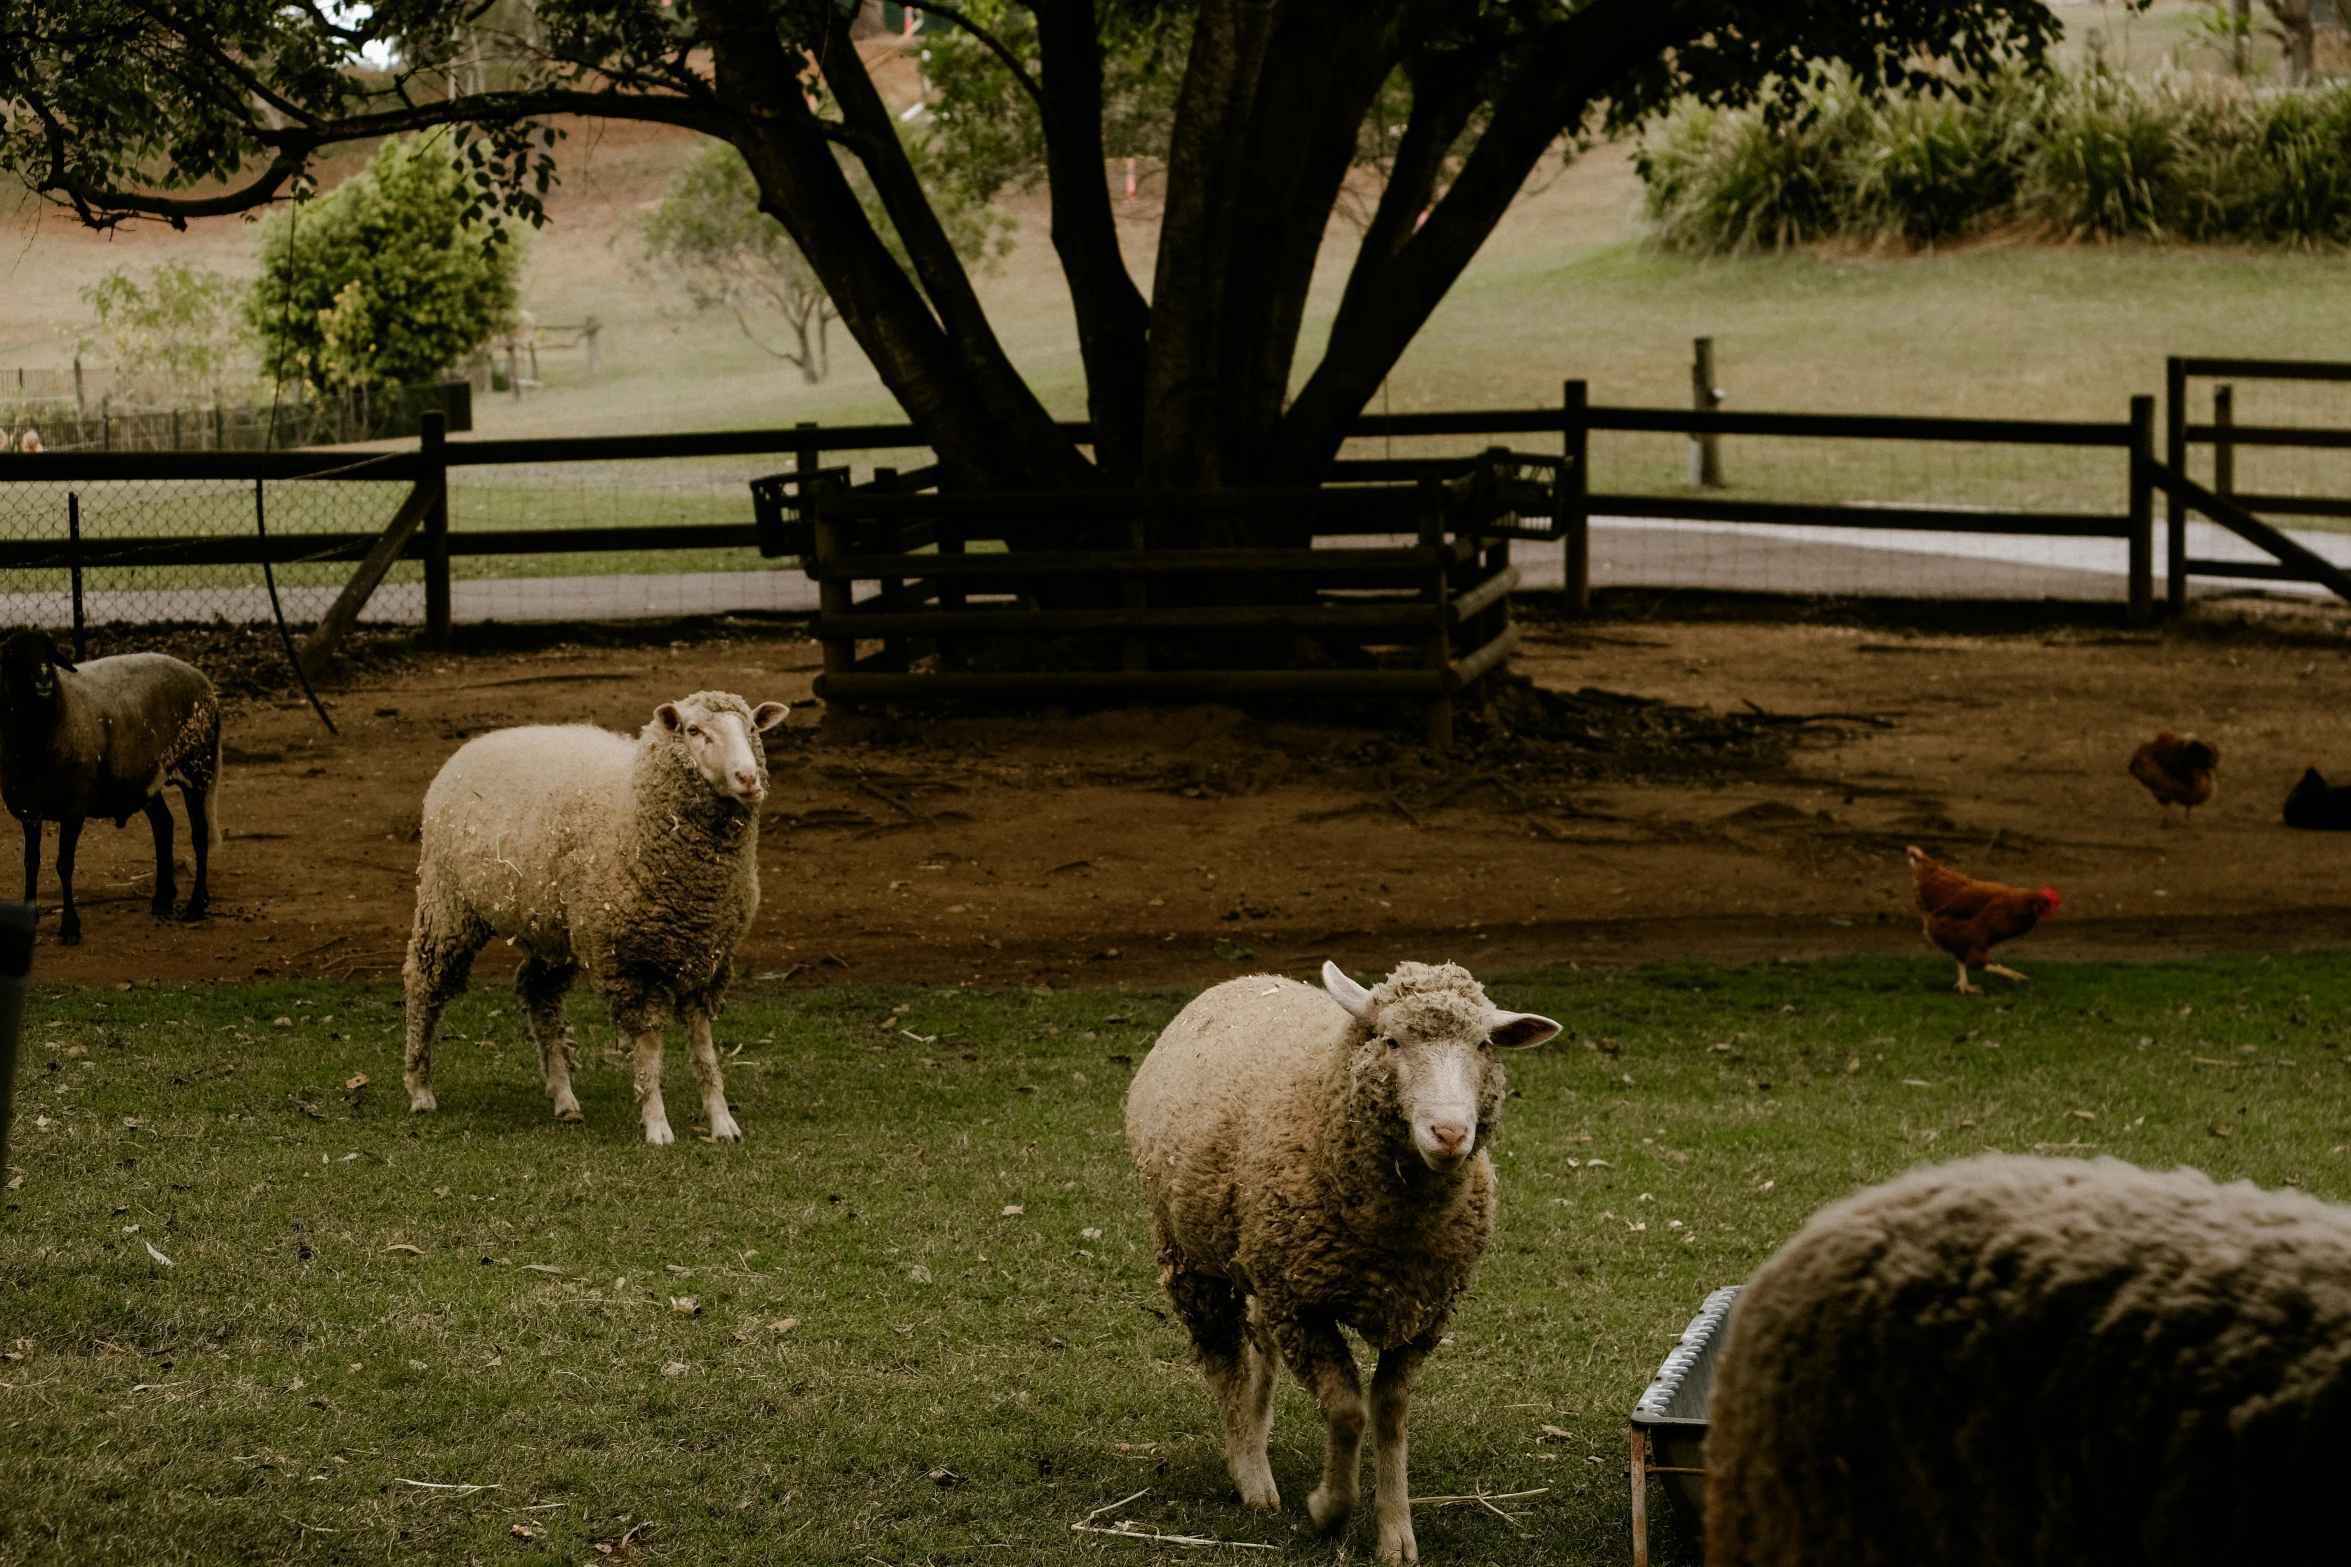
x,y
747,784
1450,1137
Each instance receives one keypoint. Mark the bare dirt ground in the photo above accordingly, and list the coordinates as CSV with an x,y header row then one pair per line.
x,y
1172,845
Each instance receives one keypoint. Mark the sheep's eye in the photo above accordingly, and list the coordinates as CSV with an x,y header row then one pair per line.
x,y
695,730
1394,1043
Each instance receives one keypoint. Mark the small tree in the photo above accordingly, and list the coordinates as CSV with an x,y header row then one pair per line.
x,y
185,325
386,279
711,236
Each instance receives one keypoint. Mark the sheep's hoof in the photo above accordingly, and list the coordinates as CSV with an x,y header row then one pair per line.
x,y
1330,1514
1401,1547
570,1112
69,933
196,910
658,1134
420,1100
160,906
1260,1492
723,1129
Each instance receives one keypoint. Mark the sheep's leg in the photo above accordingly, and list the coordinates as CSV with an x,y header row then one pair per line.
x,y
541,986
199,807
1239,1371
714,1090
159,818
69,922
438,965
32,858
649,1104
1320,1358
1391,1393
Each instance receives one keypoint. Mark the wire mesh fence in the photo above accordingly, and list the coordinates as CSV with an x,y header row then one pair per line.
x,y
153,526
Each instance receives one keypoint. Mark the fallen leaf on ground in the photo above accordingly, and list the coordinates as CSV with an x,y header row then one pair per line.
x,y
404,1246
158,1256
785,1324
2084,1115
523,1531
1552,1433
685,1305
676,1368
355,1080
540,1267
1012,1210
919,1274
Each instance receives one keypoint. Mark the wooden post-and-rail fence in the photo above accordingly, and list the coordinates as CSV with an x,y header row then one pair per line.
x,y
1422,613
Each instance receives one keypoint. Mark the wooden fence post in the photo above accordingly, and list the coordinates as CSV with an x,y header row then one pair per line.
x,y
2175,455
1705,398
432,475
1438,655
2143,510
2224,450
1574,506
73,535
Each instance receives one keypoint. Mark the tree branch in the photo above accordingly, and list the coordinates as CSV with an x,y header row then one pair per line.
x,y
1569,68
250,80
994,46
1113,318
971,336
104,208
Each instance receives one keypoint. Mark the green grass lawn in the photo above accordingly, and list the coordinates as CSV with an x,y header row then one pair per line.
x,y
907,1342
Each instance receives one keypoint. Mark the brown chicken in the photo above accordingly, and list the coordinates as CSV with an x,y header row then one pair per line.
x,y
1967,918
2177,770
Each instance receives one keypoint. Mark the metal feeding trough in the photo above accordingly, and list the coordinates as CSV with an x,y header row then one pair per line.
x,y
1669,1423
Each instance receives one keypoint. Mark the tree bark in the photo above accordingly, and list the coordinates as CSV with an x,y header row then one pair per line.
x,y
1570,66
1113,319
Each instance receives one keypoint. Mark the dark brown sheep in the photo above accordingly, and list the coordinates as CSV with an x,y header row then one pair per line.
x,y
105,738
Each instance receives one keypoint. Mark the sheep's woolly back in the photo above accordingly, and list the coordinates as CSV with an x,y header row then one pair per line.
x,y
588,847
1272,1153
2040,1361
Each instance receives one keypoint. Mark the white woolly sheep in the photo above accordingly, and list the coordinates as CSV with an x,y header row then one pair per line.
x,y
2011,1361
634,862
1314,1161
106,738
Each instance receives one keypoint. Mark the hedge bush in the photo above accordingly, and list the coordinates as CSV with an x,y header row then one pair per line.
x,y
2088,156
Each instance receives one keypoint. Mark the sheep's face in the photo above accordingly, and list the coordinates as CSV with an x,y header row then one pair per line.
x,y
720,742
1440,1038
28,670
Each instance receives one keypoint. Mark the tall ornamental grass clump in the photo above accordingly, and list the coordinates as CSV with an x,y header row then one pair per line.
x,y
2094,156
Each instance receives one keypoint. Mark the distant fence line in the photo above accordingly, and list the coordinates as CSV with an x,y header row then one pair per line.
x,y
69,424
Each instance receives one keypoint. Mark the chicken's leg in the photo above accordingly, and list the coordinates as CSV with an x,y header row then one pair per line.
x,y
1964,987
2006,973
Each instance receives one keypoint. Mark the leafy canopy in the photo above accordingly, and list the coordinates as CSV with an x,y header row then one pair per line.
x,y
385,280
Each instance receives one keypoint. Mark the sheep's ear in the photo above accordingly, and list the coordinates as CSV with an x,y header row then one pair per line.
x,y
669,716
1346,992
62,662
767,715
1521,1030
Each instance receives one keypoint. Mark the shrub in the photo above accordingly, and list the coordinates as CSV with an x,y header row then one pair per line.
x,y
392,276
1727,182
2091,156
1933,167
2104,164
